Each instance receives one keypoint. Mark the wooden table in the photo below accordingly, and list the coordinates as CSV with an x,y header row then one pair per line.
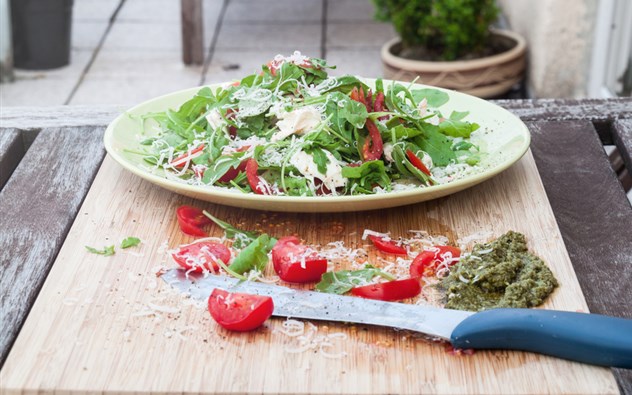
x,y
49,158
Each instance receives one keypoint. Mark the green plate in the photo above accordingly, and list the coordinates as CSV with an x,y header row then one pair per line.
x,y
501,133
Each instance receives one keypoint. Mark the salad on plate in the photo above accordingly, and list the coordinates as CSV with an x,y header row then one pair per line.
x,y
293,130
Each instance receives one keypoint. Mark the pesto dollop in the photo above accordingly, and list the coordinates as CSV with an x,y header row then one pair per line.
x,y
502,273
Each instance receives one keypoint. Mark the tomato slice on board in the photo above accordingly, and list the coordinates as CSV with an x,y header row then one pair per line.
x,y
389,291
187,156
294,263
426,263
201,256
255,182
191,220
238,311
373,147
387,246
414,159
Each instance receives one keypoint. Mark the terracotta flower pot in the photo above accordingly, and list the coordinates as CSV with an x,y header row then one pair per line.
x,y
483,77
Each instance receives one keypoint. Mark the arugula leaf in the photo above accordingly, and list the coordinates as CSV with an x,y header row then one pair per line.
x,y
130,242
241,236
456,128
215,172
458,115
106,251
435,144
343,281
254,256
344,84
343,108
434,97
402,132
367,175
319,158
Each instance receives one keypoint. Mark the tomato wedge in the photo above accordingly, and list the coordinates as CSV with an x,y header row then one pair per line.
x,y
379,105
257,184
389,291
426,263
414,159
191,220
294,263
238,311
187,156
201,256
387,246
233,172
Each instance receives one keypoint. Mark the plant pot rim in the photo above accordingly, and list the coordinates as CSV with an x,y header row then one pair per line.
x,y
443,66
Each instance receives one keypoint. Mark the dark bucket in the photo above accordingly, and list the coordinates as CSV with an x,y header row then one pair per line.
x,y
41,33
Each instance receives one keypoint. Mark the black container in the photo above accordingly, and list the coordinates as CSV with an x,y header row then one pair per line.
x,y
41,33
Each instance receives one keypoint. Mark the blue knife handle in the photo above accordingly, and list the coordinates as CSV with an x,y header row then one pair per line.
x,y
589,338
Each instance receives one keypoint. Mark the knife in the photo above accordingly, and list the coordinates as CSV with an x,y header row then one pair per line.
x,y
589,338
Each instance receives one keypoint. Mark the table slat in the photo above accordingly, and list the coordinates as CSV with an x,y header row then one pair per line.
x,y
11,151
590,207
622,136
38,205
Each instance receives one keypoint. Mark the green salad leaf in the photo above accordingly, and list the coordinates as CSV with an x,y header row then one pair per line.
x,y
343,281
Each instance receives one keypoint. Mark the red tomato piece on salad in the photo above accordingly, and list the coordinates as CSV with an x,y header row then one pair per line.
x,y
181,160
257,184
387,246
414,159
233,172
238,311
201,256
294,263
373,147
389,291
191,220
427,262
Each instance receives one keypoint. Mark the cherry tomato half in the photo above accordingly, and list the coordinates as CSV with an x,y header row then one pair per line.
x,y
414,159
293,263
425,264
191,220
387,246
238,311
389,291
201,255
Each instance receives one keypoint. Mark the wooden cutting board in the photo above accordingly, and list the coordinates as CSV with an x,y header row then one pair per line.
x,y
95,329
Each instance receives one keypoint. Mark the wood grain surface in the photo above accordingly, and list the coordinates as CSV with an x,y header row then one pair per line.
x,y
38,205
90,330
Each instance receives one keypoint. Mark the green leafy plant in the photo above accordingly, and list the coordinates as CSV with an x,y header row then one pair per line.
x,y
439,29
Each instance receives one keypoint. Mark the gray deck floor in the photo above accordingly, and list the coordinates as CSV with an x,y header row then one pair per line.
x,y
128,51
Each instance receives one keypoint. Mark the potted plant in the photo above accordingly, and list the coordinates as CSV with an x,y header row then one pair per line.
x,y
449,43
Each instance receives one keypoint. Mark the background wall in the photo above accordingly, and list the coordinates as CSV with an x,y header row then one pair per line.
x,y
560,38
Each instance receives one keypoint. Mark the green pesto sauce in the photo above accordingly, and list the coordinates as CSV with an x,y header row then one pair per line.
x,y
502,273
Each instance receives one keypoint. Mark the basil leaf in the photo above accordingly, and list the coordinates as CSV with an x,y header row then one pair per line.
x,y
106,251
434,97
130,242
254,256
343,281
241,236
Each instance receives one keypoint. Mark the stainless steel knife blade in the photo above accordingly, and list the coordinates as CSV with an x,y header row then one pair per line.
x,y
326,307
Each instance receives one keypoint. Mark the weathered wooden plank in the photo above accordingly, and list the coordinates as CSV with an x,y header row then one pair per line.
x,y
622,136
594,110
27,118
192,32
38,205
11,151
593,214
